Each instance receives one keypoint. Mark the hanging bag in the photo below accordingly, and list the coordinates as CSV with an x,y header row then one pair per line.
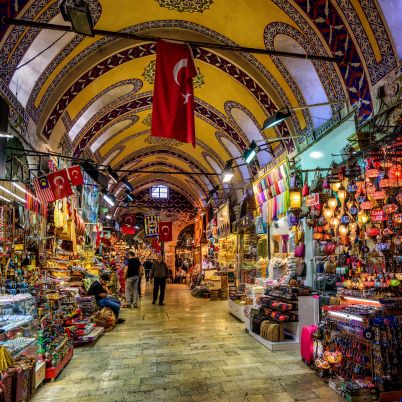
x,y
305,189
316,184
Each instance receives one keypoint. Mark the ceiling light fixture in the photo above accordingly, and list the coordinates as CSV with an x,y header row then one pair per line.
x,y
228,173
12,194
6,135
275,119
108,216
77,12
110,199
127,185
129,197
282,114
4,199
250,153
112,174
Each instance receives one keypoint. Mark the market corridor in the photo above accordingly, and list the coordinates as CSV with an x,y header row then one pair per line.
x,y
188,350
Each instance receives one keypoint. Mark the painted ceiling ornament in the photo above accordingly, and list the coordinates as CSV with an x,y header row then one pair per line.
x,y
171,142
186,6
148,120
198,80
149,75
149,72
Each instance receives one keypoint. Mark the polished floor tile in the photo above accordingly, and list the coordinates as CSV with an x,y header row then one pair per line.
x,y
188,350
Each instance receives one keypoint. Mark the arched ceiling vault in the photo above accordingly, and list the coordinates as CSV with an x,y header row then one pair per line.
x,y
94,95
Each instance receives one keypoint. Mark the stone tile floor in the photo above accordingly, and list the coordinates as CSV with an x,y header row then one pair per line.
x,y
188,350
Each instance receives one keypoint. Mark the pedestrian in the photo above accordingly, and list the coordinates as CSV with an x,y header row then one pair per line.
x,y
159,274
140,280
103,299
147,268
131,275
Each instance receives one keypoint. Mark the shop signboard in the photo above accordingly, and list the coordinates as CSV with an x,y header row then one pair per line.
x,y
377,215
223,219
313,200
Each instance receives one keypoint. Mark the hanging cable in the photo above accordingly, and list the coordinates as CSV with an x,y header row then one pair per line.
x,y
41,52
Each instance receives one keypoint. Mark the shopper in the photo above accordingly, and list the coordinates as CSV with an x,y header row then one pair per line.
x,y
141,275
147,268
98,289
132,274
159,274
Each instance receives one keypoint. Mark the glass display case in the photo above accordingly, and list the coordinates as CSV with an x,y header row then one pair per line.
x,y
18,328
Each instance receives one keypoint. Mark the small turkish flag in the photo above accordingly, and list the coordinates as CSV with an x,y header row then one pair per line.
x,y
59,183
165,231
127,224
75,175
173,100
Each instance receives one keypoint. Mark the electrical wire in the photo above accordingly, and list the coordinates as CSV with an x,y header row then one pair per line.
x,y
41,52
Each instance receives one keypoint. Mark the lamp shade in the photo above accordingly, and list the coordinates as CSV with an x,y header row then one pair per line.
x,y
275,119
295,199
333,203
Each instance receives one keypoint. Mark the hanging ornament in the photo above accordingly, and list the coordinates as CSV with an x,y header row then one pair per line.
x,y
379,195
385,183
372,173
395,172
397,218
390,208
366,205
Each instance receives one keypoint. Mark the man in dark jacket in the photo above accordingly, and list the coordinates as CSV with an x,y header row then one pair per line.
x,y
159,274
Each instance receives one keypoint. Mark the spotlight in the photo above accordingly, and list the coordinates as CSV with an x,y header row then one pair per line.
x,y
6,135
127,185
250,153
77,12
108,216
275,119
129,197
227,173
110,199
112,174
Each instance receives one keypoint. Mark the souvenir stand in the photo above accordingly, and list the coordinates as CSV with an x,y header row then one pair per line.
x,y
357,231
281,305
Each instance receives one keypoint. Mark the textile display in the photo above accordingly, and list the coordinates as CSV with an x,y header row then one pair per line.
x,y
271,193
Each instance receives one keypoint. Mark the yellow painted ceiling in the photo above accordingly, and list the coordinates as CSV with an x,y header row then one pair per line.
x,y
242,22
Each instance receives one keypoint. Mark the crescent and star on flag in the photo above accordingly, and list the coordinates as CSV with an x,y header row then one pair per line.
x,y
182,63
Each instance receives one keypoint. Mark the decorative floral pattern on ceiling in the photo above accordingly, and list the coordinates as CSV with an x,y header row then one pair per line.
x,y
168,142
149,75
147,120
186,6
327,20
149,72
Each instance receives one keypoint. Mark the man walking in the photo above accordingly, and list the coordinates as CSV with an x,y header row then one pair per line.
x,y
132,274
159,273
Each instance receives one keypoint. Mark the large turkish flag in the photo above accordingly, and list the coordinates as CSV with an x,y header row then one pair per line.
x,y
59,183
165,231
173,100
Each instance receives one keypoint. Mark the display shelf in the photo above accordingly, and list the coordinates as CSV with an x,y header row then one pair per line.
x,y
275,346
40,373
237,310
9,327
93,336
53,372
12,299
28,350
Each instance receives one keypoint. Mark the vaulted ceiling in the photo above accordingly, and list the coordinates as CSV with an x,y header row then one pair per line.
x,y
93,96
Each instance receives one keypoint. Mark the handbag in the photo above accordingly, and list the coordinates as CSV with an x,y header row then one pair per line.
x,y
300,250
316,184
305,189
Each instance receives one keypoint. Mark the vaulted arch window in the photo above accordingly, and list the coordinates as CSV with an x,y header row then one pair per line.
x,y
305,75
160,192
